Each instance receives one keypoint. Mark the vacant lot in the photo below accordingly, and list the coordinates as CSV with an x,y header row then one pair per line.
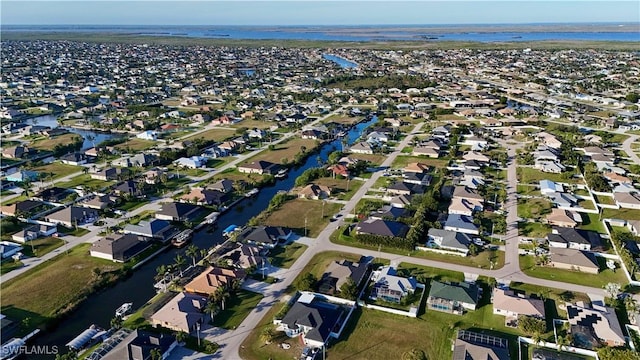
x,y
341,119
626,214
237,307
58,170
254,124
293,214
533,176
533,208
55,286
217,135
533,229
135,145
339,187
48,144
592,222
285,152
41,246
402,161
375,159
531,190
86,181
529,267
285,256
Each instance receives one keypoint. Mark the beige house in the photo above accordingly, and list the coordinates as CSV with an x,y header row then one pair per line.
x,y
182,313
601,319
314,192
560,217
208,281
571,259
416,168
511,305
425,151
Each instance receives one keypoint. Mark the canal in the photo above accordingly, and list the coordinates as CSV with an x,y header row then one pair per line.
x,y
138,288
90,137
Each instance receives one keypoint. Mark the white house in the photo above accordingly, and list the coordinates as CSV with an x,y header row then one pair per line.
x,y
193,162
148,135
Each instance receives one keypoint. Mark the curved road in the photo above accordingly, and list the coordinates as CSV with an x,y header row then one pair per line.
x,y
231,341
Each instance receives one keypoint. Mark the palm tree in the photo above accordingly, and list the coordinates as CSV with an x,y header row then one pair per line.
x,y
537,338
212,308
161,271
222,294
179,261
562,342
155,354
192,252
631,305
181,336
268,334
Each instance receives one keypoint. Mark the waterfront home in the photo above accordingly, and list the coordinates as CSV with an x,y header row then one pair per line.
x,y
161,230
267,236
148,135
223,185
453,298
76,159
314,319
183,313
511,305
212,278
572,259
315,192
201,196
16,152
449,240
476,346
73,216
361,148
119,247
600,322
340,272
259,167
339,169
389,286
244,256
176,211
140,344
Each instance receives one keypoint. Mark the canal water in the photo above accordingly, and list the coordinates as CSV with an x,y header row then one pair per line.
x,y
344,63
138,288
91,138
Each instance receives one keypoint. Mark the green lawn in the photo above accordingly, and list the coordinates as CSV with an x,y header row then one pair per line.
x,y
41,246
236,309
58,170
131,205
135,145
533,176
297,214
286,151
14,200
47,144
73,232
592,222
55,286
285,256
533,208
528,266
626,214
607,200
339,187
533,229
9,265
402,161
86,181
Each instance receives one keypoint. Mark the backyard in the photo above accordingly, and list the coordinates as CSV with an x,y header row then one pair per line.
x,y
626,214
285,256
529,267
592,222
236,309
285,152
301,214
135,145
339,187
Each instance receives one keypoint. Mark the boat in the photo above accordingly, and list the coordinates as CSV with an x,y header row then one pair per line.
x,y
281,174
123,309
87,338
182,238
342,133
252,192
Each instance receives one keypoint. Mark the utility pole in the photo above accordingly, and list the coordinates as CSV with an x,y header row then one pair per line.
x,y
305,225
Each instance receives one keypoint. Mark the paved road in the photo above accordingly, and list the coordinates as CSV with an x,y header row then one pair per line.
x,y
626,146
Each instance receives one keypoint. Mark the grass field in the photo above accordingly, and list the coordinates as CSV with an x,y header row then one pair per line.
x,y
85,180
58,170
285,256
254,124
528,266
136,145
216,135
607,200
341,119
55,286
294,212
9,265
375,159
48,144
533,176
592,222
533,229
236,309
339,187
402,161
533,208
284,151
41,246
524,189
626,214
14,200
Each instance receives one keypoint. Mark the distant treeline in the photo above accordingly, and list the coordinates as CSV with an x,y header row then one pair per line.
x,y
357,83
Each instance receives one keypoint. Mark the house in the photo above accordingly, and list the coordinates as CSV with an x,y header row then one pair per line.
x,y
388,212
465,206
549,140
74,159
22,176
182,313
73,216
212,278
175,211
99,202
572,259
315,192
400,201
564,237
425,151
267,236
193,162
15,152
462,192
119,247
8,249
204,196
416,167
449,240
148,135
417,178
615,178
634,226
130,188
563,200
224,186
259,167
382,228
442,132
474,155
390,287
155,176
453,298
339,169
33,232
339,272
314,320
511,305
475,346
21,208
563,218
377,138
404,188
630,200
549,166
139,344
461,223
109,174
313,134
157,229
361,148
601,322
549,187
244,256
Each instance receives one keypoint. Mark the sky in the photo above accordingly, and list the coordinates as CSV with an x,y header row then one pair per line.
x,y
307,12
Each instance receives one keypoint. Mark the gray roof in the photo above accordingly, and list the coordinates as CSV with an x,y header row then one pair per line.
x,y
451,239
461,292
264,234
138,345
120,247
155,228
382,228
320,316
461,222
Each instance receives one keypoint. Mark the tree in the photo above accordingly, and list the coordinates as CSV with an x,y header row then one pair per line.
x,y
155,354
268,334
414,354
349,290
473,249
632,97
306,283
610,353
179,261
221,294
537,338
192,252
631,305
531,325
181,336
613,290
116,322
71,355
161,271
212,308
562,342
